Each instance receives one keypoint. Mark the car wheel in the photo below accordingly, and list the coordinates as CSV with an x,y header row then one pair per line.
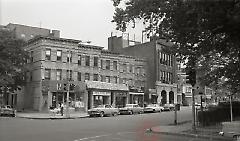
x,y
115,114
130,112
154,111
101,114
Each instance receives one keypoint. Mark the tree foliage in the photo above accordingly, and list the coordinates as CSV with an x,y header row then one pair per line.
x,y
12,60
207,30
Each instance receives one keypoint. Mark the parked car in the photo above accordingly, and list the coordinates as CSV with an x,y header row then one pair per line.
x,y
103,110
131,109
168,107
153,108
7,110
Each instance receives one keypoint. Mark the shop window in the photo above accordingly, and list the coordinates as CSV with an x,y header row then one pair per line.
x,y
47,74
48,54
59,75
59,55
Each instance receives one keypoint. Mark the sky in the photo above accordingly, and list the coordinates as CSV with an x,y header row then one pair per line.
x,y
86,20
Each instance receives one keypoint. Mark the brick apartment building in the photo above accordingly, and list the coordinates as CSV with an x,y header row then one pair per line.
x,y
99,76
160,69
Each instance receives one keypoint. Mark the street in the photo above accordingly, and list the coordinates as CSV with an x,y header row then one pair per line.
x,y
119,128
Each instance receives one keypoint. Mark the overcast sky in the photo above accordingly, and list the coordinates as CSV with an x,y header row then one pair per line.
x,y
76,19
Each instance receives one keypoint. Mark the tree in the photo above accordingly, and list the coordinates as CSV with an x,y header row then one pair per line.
x,y
12,61
208,31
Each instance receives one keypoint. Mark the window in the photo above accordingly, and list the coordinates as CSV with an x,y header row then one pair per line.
x,y
101,64
69,57
108,64
115,65
115,79
48,54
102,78
124,67
95,77
87,76
47,74
95,61
79,78
87,60
69,74
59,75
79,60
130,68
108,79
31,55
59,55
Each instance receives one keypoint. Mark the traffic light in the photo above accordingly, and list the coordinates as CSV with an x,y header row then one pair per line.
x,y
191,76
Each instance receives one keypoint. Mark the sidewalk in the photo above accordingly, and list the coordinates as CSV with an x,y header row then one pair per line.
x,y
37,115
185,129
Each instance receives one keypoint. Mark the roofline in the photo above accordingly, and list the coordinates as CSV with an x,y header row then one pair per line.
x,y
63,40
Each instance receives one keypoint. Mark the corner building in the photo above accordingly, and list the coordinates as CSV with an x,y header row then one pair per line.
x,y
95,76
161,67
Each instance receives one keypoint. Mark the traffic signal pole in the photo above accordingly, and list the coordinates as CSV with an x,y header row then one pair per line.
x,y
193,111
68,88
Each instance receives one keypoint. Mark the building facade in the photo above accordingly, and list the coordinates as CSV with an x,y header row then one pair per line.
x,y
93,75
160,69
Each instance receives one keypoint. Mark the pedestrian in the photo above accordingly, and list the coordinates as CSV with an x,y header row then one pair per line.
x,y
61,109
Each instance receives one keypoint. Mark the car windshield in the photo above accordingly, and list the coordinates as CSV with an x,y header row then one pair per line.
x,y
129,105
150,105
100,106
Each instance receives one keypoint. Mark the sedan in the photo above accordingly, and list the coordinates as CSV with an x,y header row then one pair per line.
x,y
131,109
7,110
153,108
103,110
168,107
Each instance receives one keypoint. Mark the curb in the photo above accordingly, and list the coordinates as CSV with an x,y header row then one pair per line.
x,y
193,135
51,118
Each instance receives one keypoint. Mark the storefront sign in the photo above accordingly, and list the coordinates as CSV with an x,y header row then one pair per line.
x,y
101,93
121,94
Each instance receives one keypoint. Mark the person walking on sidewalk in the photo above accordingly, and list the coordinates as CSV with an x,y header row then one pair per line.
x,y
61,106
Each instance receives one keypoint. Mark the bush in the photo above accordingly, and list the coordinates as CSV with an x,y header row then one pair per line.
x,y
218,114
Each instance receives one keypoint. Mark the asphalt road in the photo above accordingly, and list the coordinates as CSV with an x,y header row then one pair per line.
x,y
119,128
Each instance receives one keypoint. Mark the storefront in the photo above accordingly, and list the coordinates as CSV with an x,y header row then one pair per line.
x,y
136,98
106,93
121,99
101,97
56,95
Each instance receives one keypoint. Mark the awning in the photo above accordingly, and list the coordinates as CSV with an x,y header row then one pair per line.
x,y
106,86
136,93
101,93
